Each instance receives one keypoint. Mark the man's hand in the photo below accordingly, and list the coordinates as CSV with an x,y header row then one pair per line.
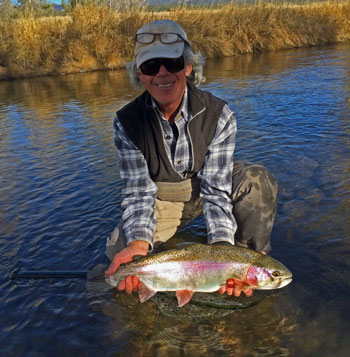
x,y
235,287
131,283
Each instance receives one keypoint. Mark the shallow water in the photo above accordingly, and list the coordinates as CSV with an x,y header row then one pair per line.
x,y
60,196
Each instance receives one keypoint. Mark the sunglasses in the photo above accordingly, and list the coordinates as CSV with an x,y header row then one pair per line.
x,y
172,65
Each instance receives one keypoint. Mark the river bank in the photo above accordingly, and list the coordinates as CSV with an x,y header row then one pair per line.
x,y
98,38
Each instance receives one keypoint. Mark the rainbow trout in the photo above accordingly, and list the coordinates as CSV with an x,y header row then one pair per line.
x,y
202,268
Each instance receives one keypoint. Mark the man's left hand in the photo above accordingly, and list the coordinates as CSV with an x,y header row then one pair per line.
x,y
235,287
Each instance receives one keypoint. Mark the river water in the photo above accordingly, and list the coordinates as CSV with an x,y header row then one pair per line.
x,y
60,194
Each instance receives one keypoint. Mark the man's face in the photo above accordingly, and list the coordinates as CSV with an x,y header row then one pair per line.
x,y
166,88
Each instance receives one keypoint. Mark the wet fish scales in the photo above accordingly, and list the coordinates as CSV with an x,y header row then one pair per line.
x,y
202,268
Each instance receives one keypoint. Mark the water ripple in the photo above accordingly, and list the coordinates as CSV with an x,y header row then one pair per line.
x,y
60,194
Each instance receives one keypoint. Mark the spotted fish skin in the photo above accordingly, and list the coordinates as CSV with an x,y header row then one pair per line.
x,y
202,268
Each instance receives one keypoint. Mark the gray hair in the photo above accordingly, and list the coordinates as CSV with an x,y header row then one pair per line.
x,y
197,61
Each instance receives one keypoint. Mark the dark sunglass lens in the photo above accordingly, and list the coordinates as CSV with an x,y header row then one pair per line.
x,y
174,65
150,68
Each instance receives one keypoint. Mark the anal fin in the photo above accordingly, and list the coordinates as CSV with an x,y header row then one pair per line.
x,y
183,297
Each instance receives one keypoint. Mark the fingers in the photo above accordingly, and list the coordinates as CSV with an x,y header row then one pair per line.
x,y
222,289
248,292
230,286
235,287
135,283
121,286
113,266
126,255
123,256
237,290
130,284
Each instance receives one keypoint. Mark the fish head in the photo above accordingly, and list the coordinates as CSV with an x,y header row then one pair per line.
x,y
267,273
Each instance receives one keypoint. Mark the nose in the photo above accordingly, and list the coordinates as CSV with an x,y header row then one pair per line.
x,y
162,70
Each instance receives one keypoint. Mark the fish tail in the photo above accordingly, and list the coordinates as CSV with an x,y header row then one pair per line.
x,y
96,280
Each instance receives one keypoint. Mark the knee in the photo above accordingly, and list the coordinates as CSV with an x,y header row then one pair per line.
x,y
257,181
263,181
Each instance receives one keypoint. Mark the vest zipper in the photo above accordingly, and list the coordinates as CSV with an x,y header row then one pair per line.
x,y
189,134
165,146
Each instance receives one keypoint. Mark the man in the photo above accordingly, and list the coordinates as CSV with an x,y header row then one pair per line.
x,y
176,146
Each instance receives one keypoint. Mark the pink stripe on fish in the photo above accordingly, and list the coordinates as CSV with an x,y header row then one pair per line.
x,y
252,276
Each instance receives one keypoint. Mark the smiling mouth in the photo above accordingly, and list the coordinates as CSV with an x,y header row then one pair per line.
x,y
165,85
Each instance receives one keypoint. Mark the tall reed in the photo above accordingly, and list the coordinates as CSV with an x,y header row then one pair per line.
x,y
95,37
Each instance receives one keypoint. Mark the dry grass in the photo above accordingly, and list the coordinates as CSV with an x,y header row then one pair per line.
x,y
95,37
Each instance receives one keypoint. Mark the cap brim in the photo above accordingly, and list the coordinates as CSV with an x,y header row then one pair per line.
x,y
159,50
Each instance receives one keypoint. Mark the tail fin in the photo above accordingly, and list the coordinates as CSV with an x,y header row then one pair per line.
x,y
96,280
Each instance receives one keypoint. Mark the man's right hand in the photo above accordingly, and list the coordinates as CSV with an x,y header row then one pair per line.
x,y
131,283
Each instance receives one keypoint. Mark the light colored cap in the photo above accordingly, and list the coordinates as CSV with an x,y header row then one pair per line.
x,y
157,49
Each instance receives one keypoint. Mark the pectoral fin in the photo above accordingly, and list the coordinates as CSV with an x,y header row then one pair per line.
x,y
183,297
146,293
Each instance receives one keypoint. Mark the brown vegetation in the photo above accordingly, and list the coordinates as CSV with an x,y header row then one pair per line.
x,y
95,37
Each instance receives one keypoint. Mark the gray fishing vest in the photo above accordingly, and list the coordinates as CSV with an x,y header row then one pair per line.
x,y
142,126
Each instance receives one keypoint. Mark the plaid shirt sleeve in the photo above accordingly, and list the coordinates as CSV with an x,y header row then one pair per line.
x,y
139,191
216,181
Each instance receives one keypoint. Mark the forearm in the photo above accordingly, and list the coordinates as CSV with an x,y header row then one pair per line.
x,y
139,217
139,191
221,224
216,181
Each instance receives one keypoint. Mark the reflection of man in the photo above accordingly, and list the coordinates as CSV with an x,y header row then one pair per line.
x,y
176,147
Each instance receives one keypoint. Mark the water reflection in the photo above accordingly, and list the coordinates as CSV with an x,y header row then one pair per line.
x,y
60,192
160,328
93,89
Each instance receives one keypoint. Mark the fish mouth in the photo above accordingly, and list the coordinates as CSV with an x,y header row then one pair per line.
x,y
280,284
284,282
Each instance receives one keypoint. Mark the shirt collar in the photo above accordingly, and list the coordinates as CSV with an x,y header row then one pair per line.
x,y
183,110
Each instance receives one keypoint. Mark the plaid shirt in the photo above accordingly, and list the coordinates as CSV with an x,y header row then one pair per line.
x,y
139,191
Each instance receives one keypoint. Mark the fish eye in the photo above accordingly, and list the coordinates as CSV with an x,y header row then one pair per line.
x,y
276,274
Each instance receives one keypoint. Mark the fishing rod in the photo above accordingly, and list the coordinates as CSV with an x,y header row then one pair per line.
x,y
76,274
49,274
